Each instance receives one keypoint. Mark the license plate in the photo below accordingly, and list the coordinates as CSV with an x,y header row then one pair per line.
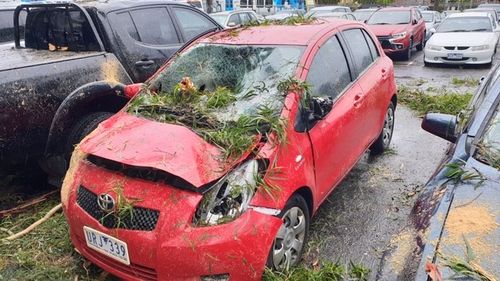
x,y
106,245
454,56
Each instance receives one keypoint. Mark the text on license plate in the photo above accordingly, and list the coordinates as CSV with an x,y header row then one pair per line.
x,y
106,245
455,56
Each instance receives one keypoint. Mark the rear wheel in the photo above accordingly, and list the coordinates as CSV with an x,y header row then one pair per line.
x,y
384,139
82,128
291,237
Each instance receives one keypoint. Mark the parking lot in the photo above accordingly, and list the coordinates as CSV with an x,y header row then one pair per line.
x,y
217,169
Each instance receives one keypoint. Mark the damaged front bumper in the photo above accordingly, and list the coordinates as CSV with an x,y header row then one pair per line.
x,y
174,249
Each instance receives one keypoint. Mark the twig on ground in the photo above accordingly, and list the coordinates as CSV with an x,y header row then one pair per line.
x,y
35,224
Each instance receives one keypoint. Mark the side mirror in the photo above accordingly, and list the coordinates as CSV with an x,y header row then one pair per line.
x,y
432,30
365,21
441,125
131,90
414,22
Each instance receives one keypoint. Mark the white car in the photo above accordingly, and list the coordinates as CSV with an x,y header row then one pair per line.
x,y
318,11
465,38
235,18
432,20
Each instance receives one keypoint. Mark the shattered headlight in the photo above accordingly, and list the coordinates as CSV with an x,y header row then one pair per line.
x,y
230,196
479,48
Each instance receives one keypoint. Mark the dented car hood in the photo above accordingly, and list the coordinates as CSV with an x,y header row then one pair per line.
x,y
174,149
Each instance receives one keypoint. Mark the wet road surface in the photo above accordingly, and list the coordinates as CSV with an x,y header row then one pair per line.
x,y
371,206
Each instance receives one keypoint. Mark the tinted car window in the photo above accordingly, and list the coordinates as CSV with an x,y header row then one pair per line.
x,y
329,72
371,45
155,26
244,18
359,48
124,23
235,19
192,22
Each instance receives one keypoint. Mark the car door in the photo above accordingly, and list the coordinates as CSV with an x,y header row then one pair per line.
x,y
372,76
146,37
334,138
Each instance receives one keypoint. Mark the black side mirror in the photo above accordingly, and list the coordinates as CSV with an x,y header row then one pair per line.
x,y
441,125
414,22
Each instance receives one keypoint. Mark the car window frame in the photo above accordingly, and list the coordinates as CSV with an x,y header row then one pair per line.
x,y
358,74
115,31
177,23
347,56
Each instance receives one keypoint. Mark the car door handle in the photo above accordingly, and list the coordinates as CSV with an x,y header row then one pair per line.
x,y
384,73
144,63
358,99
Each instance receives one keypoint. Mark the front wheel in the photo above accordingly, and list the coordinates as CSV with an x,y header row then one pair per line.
x,y
291,237
384,139
407,54
82,128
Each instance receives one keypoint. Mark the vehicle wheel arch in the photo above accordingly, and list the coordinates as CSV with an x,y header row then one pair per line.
x,y
306,193
92,97
394,100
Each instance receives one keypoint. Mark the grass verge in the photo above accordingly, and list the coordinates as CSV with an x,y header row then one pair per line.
x,y
421,102
329,271
46,253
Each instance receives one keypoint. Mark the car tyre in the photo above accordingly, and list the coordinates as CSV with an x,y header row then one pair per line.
x,y
82,128
384,139
407,53
421,46
288,245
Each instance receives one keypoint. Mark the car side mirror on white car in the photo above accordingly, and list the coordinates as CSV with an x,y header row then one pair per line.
x,y
432,30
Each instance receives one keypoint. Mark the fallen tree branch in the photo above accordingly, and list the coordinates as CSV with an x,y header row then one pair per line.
x,y
35,224
25,205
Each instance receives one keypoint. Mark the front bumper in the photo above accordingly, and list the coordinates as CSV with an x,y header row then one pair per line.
x,y
174,249
468,56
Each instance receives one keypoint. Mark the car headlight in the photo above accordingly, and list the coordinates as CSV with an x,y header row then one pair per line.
x,y
479,48
229,197
398,35
433,47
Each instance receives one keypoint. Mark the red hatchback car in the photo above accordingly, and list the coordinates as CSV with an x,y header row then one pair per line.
x,y
398,30
217,164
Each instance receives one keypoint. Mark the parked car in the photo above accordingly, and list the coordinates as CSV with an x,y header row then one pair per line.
x,y
492,12
284,14
203,206
399,30
235,18
345,16
363,14
460,213
450,12
465,38
41,77
318,11
432,20
496,7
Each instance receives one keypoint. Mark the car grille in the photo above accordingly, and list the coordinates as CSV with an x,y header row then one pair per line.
x,y
139,219
460,48
384,41
142,272
447,59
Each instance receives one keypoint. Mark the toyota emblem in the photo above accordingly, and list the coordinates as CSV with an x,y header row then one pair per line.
x,y
106,202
